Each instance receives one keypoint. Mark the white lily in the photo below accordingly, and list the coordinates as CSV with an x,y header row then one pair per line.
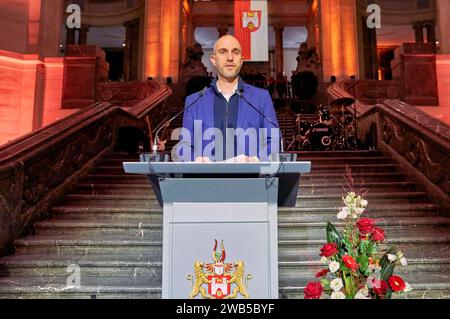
x,y
391,257
403,261
343,213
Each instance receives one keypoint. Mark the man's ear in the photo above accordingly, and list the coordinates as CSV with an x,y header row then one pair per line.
x,y
212,58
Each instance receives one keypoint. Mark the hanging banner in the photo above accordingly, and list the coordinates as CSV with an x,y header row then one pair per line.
x,y
251,29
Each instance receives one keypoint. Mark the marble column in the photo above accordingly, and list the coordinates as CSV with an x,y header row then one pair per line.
x,y
162,39
82,36
279,59
431,34
222,29
339,39
131,55
443,12
70,36
418,31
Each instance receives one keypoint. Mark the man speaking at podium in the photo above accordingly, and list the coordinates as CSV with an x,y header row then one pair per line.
x,y
230,120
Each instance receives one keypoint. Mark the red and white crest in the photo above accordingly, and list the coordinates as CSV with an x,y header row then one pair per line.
x,y
220,286
251,20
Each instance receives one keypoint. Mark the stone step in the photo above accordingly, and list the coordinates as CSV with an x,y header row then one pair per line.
x,y
373,198
325,178
311,178
355,153
91,286
88,245
148,201
153,231
151,265
304,188
115,179
423,241
286,214
372,187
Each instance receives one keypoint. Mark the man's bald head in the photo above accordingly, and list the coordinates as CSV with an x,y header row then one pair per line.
x,y
226,40
227,58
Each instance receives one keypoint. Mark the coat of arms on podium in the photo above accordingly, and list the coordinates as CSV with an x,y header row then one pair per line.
x,y
223,280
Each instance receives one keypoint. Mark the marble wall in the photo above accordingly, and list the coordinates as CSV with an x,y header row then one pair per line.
x,y
30,93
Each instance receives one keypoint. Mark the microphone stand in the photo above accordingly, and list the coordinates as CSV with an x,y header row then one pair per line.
x,y
155,156
281,156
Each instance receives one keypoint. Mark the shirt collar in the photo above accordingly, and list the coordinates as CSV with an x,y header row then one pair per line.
x,y
240,85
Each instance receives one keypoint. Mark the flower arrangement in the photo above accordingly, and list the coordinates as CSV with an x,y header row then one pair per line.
x,y
358,267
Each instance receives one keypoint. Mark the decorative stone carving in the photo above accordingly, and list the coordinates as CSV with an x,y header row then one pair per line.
x,y
428,159
308,60
193,65
126,94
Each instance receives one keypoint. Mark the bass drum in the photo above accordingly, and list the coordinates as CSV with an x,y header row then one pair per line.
x,y
320,136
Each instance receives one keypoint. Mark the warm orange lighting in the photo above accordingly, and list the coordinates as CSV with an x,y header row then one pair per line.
x,y
162,39
30,93
338,38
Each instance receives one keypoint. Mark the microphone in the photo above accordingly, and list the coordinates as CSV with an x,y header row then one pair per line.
x,y
167,123
281,157
241,95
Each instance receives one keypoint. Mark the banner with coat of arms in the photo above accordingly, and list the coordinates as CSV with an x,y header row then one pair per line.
x,y
251,29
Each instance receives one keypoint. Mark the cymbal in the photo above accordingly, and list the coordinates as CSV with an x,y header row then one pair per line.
x,y
303,107
343,101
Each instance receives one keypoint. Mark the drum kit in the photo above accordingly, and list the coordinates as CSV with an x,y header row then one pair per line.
x,y
324,129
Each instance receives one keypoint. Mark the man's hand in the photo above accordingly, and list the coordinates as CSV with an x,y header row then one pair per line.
x,y
201,159
243,159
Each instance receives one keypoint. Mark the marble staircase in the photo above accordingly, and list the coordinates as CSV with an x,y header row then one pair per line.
x,y
111,228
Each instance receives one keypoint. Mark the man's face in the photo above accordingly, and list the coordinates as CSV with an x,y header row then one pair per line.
x,y
227,57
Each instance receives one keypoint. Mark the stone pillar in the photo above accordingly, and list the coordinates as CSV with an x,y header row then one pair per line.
x,y
162,39
82,36
370,51
338,38
443,12
131,56
279,62
418,31
222,29
70,36
431,34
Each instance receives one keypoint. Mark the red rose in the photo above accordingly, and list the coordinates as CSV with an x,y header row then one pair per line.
x,y
379,287
322,273
378,234
350,263
365,225
397,283
328,250
313,290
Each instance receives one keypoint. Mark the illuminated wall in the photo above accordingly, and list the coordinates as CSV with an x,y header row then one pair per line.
x,y
162,39
338,38
31,72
